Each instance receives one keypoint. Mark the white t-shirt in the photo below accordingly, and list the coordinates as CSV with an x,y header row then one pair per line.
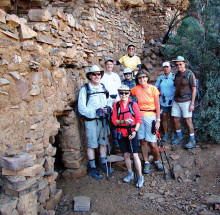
x,y
112,84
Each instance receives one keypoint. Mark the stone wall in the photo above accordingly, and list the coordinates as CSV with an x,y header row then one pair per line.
x,y
155,15
44,58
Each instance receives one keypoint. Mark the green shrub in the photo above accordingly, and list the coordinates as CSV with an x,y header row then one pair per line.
x,y
199,43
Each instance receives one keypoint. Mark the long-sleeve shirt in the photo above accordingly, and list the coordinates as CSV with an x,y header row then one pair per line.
x,y
95,101
167,89
125,114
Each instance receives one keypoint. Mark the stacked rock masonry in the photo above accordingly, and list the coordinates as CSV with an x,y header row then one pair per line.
x,y
44,56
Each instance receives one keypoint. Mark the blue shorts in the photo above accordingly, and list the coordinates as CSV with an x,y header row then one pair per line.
x,y
124,144
166,109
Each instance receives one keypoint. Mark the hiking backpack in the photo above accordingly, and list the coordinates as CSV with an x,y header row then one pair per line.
x,y
88,94
130,105
188,77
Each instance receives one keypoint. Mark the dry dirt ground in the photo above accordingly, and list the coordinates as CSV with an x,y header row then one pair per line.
x,y
197,180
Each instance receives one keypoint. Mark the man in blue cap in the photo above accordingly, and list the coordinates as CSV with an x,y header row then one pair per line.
x,y
112,82
184,99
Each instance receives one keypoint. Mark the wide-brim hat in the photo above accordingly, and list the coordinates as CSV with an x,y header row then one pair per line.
x,y
142,74
127,70
123,88
108,59
179,58
94,68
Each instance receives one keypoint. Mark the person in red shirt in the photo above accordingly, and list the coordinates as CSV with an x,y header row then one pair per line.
x,y
126,115
149,104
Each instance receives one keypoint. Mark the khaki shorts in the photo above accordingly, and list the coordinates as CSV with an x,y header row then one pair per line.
x,y
181,109
94,133
144,132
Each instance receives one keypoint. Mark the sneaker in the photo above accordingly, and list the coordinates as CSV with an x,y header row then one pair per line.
x,y
191,144
103,168
95,173
173,137
146,168
116,146
129,177
140,182
159,166
165,138
178,140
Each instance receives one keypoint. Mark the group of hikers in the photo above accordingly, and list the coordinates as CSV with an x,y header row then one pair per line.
x,y
133,108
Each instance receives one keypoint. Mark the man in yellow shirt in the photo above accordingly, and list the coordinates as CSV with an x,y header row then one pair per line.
x,y
130,60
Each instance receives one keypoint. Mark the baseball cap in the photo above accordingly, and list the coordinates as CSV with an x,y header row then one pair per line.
x,y
166,64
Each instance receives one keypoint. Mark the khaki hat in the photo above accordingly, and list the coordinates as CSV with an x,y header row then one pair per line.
x,y
179,58
124,88
94,68
127,70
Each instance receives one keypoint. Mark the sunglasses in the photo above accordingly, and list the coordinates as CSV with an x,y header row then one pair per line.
x,y
123,93
96,74
179,64
128,73
131,49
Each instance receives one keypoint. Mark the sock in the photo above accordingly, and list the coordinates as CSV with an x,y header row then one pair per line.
x,y
179,133
103,160
156,162
192,136
146,162
92,163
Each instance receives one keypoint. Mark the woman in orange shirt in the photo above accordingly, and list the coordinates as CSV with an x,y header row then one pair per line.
x,y
149,104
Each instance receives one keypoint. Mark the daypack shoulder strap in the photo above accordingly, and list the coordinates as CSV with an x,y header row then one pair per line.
x,y
118,109
105,90
130,106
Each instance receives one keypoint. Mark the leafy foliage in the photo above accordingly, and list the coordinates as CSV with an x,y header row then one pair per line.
x,y
198,40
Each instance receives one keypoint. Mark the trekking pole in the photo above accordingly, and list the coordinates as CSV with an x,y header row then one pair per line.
x,y
158,143
132,157
109,147
171,170
103,126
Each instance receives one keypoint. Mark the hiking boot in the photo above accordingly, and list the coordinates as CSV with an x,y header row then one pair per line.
x,y
129,177
140,182
173,137
103,168
146,168
177,141
165,138
159,166
191,144
95,173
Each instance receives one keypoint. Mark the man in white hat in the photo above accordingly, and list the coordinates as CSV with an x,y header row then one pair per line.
x,y
165,84
185,83
112,82
93,105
